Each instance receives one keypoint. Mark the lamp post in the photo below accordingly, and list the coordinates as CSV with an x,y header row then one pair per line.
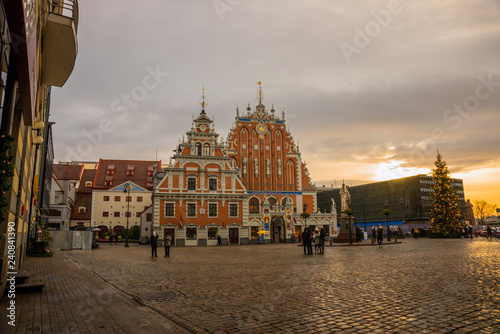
x,y
304,215
349,213
387,212
127,190
404,204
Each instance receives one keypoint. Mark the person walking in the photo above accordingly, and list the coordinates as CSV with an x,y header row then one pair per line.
x,y
415,233
488,233
374,234
116,239
110,239
358,234
470,231
219,240
380,233
321,245
293,238
167,239
154,244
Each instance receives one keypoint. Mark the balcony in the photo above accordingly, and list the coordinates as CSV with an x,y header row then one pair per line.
x,y
60,45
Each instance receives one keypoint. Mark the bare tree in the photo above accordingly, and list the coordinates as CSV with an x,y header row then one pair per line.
x,y
483,209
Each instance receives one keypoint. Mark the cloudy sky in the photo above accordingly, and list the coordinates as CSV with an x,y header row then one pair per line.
x,y
371,89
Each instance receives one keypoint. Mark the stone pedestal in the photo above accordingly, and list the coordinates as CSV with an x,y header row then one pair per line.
x,y
344,230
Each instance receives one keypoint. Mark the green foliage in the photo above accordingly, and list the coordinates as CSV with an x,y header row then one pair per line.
x,y
6,172
135,232
349,212
386,212
445,215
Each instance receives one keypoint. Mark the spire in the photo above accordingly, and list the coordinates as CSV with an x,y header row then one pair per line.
x,y
203,104
260,95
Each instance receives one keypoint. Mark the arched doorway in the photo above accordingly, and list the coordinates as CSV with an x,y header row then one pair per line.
x,y
277,230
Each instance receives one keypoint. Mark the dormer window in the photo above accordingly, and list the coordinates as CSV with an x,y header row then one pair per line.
x,y
88,184
82,209
130,170
151,171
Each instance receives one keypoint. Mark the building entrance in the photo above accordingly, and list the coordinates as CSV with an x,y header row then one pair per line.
x,y
234,236
277,230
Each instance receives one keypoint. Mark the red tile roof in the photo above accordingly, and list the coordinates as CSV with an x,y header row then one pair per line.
x,y
111,173
88,175
67,171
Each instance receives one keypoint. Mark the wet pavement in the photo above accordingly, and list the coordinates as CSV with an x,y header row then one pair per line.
x,y
418,286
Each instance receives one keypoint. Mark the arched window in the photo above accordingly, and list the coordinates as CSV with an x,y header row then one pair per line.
x,y
198,149
206,149
272,200
254,205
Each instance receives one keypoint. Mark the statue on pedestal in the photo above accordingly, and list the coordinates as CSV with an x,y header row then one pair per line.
x,y
345,198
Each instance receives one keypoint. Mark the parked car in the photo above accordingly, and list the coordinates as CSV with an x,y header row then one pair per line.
x,y
143,240
483,233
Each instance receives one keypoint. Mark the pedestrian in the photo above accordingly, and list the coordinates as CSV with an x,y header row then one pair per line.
x,y
415,233
167,239
316,240
380,233
358,234
470,231
110,239
374,234
322,236
116,239
303,237
309,242
293,238
488,233
219,240
154,244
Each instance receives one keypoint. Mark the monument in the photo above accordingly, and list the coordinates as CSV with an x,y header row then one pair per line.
x,y
345,220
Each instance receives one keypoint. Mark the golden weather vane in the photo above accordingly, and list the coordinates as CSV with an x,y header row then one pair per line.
x,y
260,95
203,104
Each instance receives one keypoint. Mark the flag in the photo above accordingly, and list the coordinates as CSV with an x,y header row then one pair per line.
x,y
182,225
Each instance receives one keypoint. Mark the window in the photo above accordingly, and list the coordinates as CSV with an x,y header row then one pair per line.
x,y
108,183
139,198
212,233
206,149
198,149
212,184
127,214
149,217
118,198
105,213
212,210
169,209
233,210
130,173
128,198
117,214
88,184
82,209
191,233
191,183
138,213
105,198
191,210
254,205
254,232
110,172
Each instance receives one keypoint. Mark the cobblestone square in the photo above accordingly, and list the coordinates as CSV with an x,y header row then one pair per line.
x,y
418,286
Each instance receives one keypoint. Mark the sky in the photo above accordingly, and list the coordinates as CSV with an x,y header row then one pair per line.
x,y
371,89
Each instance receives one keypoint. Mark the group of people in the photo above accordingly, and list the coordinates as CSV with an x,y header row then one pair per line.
x,y
378,234
419,232
111,238
318,237
167,241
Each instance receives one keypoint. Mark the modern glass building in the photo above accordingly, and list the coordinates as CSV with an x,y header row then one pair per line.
x,y
408,198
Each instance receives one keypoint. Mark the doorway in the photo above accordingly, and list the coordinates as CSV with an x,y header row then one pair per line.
x,y
234,238
277,229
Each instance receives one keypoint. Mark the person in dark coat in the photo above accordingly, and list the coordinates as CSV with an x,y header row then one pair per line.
x,y
308,241
322,236
116,239
303,237
219,240
470,231
380,233
488,232
374,234
110,239
154,244
358,234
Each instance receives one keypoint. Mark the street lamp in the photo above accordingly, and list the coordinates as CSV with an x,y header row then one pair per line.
x,y
304,215
387,212
349,213
127,190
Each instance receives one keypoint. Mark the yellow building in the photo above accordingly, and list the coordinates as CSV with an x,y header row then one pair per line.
x,y
38,50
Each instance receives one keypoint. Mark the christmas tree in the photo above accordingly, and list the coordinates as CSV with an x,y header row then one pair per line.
x,y
445,213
